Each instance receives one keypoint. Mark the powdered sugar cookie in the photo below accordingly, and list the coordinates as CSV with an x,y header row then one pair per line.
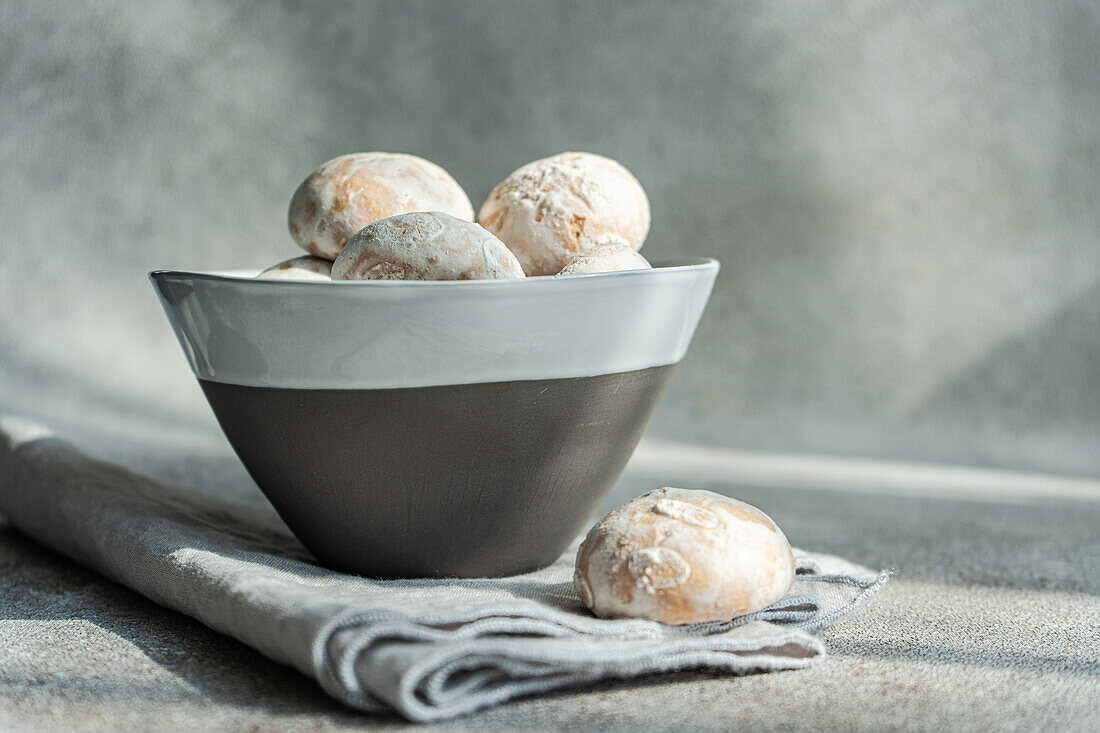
x,y
427,245
682,557
609,257
347,193
305,267
551,209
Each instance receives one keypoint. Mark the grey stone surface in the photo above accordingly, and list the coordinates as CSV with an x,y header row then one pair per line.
x,y
903,195
992,622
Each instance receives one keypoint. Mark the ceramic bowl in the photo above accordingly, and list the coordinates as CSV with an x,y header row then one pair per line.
x,y
459,428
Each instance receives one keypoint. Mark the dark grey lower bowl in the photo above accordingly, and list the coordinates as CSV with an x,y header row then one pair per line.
x,y
469,480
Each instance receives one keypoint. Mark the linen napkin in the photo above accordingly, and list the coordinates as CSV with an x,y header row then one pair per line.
x,y
427,649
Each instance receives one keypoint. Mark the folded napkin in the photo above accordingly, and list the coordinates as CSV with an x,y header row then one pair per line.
x,y
428,649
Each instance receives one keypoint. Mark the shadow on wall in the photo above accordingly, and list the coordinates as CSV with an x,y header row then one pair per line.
x,y
1031,385
1030,400
871,177
74,397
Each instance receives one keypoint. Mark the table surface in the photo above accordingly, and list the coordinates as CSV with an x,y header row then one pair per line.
x,y
992,620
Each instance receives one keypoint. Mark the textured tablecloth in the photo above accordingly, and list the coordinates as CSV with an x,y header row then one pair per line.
x,y
429,649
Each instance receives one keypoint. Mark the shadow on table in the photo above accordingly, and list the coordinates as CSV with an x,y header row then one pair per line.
x,y
39,584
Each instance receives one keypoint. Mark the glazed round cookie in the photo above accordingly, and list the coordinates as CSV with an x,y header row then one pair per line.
x,y
426,245
682,557
347,193
551,209
608,257
306,267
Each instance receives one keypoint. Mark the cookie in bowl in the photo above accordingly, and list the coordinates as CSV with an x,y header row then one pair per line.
x,y
551,209
306,267
426,245
346,193
609,257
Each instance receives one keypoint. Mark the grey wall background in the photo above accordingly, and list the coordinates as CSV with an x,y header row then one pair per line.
x,y
904,196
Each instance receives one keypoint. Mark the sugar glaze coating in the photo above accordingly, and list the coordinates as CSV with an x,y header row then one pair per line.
x,y
607,257
679,557
346,193
426,245
551,209
306,267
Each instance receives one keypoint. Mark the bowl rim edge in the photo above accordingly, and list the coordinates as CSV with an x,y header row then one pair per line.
x,y
226,276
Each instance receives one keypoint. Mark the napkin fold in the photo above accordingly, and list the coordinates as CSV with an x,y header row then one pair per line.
x,y
428,649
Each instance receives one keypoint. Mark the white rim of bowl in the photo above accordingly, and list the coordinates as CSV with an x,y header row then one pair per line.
x,y
232,276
